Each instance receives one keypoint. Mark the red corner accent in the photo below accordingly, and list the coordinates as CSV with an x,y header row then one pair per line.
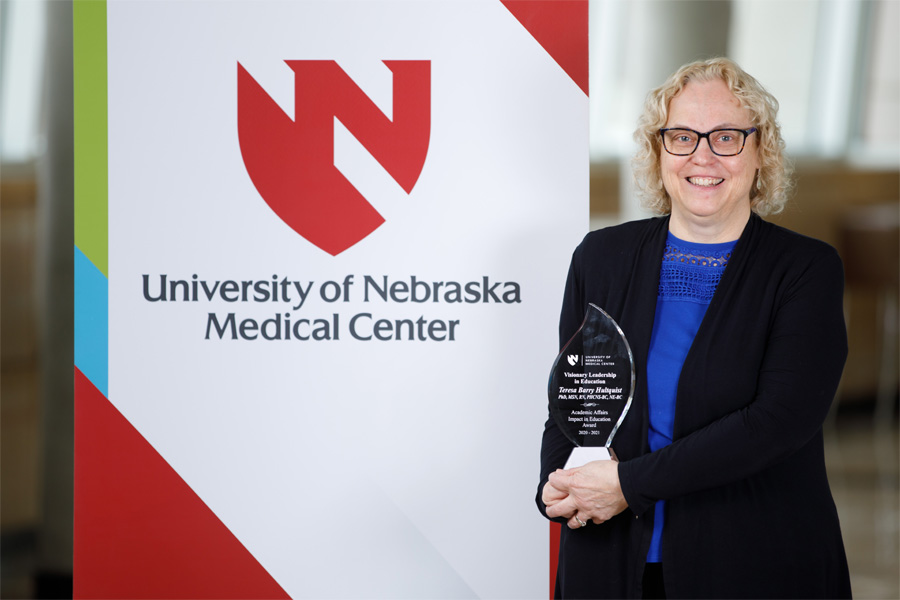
x,y
140,531
561,27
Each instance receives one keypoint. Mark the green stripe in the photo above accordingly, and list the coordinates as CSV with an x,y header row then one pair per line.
x,y
91,182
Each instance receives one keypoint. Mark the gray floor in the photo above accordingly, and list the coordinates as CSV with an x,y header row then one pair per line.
x,y
862,464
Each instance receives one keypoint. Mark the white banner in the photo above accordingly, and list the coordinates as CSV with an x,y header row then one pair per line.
x,y
344,352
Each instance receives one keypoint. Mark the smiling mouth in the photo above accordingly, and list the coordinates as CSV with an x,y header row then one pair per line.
x,y
705,181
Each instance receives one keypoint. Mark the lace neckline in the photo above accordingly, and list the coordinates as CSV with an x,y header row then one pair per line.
x,y
695,253
691,271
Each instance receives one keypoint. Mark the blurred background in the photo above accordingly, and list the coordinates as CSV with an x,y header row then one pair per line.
x,y
834,65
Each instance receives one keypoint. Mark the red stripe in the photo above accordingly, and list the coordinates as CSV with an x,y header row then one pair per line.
x,y
140,530
555,529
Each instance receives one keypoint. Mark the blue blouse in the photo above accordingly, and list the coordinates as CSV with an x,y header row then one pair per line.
x,y
688,279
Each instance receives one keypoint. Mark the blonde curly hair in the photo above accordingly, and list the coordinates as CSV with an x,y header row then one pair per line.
x,y
773,185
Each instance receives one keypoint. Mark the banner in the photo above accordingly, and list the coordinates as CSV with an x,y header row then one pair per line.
x,y
312,360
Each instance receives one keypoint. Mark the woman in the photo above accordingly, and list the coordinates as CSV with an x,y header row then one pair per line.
x,y
738,338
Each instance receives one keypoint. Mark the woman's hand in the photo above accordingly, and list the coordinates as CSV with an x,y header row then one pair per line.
x,y
550,495
591,492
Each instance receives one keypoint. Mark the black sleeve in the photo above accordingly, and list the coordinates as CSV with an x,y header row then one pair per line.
x,y
801,367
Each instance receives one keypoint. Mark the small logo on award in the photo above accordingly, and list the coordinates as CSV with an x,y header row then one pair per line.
x,y
291,161
573,359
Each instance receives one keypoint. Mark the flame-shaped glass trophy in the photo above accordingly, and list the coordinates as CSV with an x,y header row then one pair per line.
x,y
591,386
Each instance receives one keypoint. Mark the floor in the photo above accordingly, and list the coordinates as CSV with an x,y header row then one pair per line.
x,y
863,469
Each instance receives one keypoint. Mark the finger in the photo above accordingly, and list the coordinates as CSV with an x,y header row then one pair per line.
x,y
560,479
551,494
576,522
564,508
551,500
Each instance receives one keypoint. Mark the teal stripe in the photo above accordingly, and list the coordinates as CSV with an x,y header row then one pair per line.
x,y
91,322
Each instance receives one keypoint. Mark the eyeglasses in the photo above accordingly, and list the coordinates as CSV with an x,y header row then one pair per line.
x,y
723,142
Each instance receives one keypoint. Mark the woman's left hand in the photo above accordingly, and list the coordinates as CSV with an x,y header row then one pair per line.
x,y
593,492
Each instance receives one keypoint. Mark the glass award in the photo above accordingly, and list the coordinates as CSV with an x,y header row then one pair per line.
x,y
591,386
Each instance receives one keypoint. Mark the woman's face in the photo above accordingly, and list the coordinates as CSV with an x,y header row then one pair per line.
x,y
710,193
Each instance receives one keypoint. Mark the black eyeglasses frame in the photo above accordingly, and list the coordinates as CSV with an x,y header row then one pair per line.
x,y
706,135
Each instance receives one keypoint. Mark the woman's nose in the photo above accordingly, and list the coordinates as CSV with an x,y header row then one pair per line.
x,y
703,153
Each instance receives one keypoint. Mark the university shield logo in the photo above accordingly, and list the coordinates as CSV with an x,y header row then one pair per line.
x,y
291,162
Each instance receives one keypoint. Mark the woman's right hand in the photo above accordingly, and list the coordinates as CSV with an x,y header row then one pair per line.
x,y
550,495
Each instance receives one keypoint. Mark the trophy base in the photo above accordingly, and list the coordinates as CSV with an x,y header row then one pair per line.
x,y
582,455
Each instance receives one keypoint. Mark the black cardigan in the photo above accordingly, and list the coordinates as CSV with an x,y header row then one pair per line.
x,y
750,513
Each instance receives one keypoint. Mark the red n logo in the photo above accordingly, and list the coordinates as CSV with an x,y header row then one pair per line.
x,y
291,162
